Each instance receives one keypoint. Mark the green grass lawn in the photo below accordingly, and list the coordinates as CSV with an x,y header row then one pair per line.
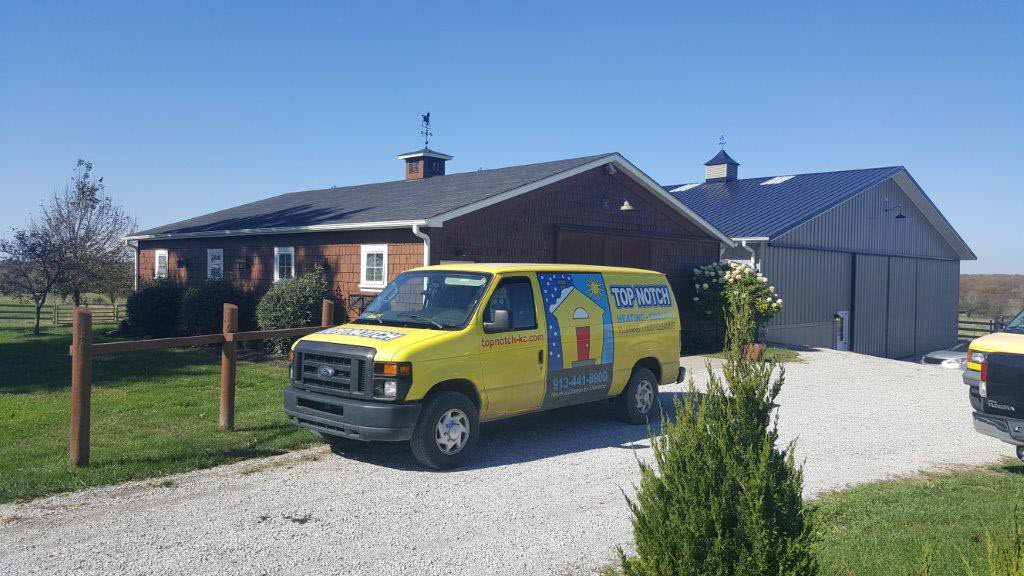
x,y
153,413
772,354
885,527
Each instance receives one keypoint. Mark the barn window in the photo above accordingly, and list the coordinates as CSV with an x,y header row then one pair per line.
x,y
215,263
160,265
284,263
374,266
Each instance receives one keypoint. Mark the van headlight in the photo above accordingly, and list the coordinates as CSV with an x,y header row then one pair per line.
x,y
975,357
391,380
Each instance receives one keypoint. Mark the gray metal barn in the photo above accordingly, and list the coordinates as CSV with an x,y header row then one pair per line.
x,y
865,246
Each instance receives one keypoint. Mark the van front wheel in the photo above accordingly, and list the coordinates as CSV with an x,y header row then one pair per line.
x,y
446,433
639,400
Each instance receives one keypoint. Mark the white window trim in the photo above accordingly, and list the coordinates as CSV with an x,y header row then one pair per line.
x,y
283,250
156,264
209,261
365,284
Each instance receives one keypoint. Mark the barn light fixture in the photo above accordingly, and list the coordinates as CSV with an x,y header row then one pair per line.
x,y
626,206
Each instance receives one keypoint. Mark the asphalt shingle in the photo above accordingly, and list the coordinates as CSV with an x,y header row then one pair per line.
x,y
381,202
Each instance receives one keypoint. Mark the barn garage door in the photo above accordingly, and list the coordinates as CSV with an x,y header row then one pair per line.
x,y
581,247
899,339
870,300
904,306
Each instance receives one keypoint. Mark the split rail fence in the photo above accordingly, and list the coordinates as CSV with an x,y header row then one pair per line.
x,y
57,314
83,350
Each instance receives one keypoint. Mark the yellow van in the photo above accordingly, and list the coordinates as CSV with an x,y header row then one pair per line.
x,y
443,348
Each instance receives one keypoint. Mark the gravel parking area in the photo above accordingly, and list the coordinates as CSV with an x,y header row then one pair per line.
x,y
543,496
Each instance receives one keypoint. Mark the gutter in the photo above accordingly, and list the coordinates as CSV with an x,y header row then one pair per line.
x,y
426,243
283,230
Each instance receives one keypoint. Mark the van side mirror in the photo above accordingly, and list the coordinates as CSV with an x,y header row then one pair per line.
x,y
502,322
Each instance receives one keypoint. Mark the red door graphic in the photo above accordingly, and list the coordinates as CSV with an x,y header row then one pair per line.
x,y
582,343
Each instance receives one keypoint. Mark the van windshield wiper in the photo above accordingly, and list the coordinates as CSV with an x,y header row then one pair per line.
x,y
424,318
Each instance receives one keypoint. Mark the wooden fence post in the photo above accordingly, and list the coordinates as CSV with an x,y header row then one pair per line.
x,y
228,356
327,313
81,385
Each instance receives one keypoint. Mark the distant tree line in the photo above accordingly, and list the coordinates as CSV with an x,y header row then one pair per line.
x,y
71,246
991,295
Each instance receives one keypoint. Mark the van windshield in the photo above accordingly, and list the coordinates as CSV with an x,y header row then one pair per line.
x,y
438,300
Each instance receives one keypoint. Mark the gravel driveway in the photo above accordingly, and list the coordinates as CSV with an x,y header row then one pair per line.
x,y
543,495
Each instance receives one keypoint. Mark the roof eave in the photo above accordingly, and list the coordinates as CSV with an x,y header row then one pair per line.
x,y
384,225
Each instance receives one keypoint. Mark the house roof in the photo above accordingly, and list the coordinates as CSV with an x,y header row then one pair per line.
x,y
396,201
403,203
766,207
721,158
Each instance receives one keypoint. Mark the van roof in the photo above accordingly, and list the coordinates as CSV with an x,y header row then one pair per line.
x,y
496,268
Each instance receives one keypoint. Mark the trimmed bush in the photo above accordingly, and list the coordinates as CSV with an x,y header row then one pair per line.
x,y
202,308
153,309
722,499
291,304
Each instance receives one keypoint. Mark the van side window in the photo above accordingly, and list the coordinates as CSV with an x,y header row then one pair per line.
x,y
516,296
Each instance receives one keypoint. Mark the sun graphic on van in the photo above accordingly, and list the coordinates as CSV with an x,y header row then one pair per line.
x,y
594,287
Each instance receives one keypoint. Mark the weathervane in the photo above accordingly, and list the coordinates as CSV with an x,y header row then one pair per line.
x,y
425,132
721,140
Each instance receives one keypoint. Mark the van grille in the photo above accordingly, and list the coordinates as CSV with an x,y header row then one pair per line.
x,y
331,373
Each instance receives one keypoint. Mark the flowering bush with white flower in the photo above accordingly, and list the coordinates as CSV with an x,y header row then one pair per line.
x,y
718,284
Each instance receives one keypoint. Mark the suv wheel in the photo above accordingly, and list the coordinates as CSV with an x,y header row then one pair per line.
x,y
639,400
446,433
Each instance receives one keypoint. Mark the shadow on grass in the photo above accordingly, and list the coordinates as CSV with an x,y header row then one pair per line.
x,y
529,437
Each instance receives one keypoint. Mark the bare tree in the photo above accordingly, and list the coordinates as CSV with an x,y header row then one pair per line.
x,y
88,227
34,264
116,278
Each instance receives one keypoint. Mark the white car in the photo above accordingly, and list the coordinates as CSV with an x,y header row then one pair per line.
x,y
954,358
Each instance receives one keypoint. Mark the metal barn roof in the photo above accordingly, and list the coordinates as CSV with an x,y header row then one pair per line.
x,y
756,208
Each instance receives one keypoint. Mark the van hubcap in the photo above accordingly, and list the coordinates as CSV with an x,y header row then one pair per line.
x,y
452,431
644,396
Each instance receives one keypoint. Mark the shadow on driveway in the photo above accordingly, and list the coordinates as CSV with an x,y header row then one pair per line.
x,y
529,437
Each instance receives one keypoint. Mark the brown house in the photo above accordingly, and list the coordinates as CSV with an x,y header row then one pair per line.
x,y
593,210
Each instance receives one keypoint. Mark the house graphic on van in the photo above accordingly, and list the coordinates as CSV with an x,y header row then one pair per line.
x,y
581,324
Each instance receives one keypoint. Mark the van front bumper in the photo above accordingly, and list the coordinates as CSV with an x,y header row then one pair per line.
x,y
1009,430
349,417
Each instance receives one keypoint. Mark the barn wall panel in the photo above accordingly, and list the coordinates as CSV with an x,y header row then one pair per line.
x,y
814,285
862,224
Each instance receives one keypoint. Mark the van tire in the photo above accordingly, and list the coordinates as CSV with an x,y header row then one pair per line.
x,y
639,403
460,412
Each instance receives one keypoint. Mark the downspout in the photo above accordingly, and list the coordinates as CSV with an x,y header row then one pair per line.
x,y
426,243
135,263
753,254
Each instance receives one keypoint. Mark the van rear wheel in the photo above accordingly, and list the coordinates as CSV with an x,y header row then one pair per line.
x,y
446,433
639,401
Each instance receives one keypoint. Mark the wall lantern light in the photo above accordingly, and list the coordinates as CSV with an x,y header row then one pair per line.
x,y
626,206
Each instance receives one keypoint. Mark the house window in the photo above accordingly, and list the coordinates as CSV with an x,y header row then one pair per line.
x,y
215,263
284,263
374,266
160,265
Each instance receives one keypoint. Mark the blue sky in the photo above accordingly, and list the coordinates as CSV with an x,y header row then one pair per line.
x,y
185,109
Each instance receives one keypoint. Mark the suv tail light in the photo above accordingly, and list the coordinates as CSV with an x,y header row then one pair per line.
x,y
983,383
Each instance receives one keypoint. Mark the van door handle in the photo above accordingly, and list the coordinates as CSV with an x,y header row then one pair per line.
x,y
540,356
